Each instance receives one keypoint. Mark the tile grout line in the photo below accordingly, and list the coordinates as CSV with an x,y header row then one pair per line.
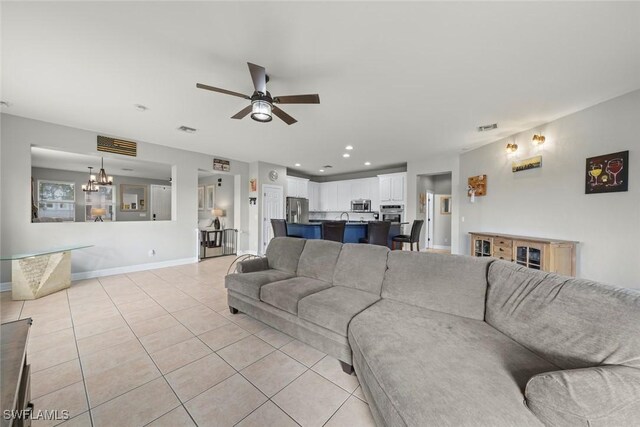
x,y
146,351
84,383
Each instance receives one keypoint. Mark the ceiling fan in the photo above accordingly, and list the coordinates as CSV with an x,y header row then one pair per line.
x,y
262,103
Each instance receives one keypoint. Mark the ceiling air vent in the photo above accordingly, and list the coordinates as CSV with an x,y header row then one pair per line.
x,y
187,129
485,128
327,167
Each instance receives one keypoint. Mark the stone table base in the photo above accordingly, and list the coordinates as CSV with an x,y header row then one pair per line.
x,y
41,275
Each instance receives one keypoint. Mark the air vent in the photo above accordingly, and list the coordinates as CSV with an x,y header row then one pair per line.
x,y
327,167
485,128
187,129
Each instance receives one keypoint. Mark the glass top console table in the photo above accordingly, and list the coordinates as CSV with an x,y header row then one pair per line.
x,y
39,273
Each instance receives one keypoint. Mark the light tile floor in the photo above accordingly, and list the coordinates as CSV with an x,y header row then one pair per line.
x,y
160,348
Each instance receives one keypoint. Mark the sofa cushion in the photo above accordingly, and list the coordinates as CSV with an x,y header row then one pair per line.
x,y
428,368
285,294
249,284
454,284
361,267
573,323
318,259
599,396
283,253
334,308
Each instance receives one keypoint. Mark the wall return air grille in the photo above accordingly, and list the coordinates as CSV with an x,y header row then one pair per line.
x,y
117,146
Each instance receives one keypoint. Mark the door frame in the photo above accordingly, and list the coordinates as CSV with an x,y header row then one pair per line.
x,y
428,244
280,188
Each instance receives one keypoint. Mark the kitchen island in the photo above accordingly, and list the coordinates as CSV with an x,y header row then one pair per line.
x,y
353,232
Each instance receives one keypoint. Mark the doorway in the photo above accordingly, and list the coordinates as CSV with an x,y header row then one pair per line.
x,y
434,195
160,203
272,208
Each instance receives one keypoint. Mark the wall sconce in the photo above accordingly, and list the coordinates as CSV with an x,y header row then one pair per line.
x,y
512,148
538,139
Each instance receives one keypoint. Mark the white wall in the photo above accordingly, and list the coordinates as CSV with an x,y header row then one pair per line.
x,y
116,244
550,201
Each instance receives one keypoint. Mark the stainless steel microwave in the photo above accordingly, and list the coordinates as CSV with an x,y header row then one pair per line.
x,y
361,205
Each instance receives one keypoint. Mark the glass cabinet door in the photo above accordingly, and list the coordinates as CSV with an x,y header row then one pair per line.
x,y
529,255
481,247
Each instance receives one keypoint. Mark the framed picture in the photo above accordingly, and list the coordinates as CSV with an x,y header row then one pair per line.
x,y
201,197
253,185
608,173
210,196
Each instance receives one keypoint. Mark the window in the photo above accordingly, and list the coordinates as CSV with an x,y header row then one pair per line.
x,y
57,200
99,204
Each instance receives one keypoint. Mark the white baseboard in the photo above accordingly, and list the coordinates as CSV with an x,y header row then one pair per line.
x,y
131,268
6,286
441,247
247,253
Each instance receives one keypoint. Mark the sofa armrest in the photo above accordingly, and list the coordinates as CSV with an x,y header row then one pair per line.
x,y
255,264
601,395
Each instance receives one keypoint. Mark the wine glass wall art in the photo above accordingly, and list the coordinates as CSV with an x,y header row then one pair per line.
x,y
608,173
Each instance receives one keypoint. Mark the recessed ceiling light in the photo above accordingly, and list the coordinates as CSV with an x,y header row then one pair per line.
x,y
345,155
187,129
367,163
5,104
349,147
141,108
321,170
297,165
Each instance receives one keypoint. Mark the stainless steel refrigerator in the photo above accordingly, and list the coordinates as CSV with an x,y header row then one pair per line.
x,y
297,210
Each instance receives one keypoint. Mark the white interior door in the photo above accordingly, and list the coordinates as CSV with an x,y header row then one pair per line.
x,y
272,208
430,220
160,203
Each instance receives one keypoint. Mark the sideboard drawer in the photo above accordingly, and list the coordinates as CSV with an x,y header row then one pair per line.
x,y
499,241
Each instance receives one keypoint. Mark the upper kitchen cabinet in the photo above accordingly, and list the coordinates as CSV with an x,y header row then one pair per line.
x,y
314,196
329,196
344,196
297,187
392,188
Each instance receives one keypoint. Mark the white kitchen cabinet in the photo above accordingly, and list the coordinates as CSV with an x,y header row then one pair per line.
x,y
374,193
385,189
392,188
297,187
329,196
344,196
314,196
360,189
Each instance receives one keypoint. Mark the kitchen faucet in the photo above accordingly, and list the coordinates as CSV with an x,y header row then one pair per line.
x,y
344,213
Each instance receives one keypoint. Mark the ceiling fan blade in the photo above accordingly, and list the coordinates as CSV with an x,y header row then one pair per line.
x,y
217,89
242,113
283,116
298,99
259,77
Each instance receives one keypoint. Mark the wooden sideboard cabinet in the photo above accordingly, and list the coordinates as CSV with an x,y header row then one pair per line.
x,y
554,256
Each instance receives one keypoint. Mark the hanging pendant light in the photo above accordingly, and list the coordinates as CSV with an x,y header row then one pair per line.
x,y
90,186
103,179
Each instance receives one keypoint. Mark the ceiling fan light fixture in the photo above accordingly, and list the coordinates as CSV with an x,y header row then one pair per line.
x,y
261,111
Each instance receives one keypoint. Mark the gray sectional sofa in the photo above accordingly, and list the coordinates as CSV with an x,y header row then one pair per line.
x,y
454,340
